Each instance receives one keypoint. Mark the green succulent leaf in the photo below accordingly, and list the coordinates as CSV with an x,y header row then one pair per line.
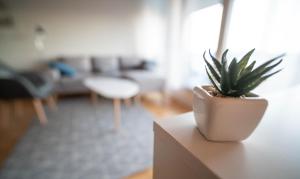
x,y
256,83
261,67
239,78
279,56
271,74
225,80
224,59
252,76
249,94
213,81
233,71
244,61
212,70
247,70
216,62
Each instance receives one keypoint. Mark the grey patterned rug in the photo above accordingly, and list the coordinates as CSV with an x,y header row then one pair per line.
x,y
80,142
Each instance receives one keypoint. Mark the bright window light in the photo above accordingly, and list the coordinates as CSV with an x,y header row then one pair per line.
x,y
201,32
202,28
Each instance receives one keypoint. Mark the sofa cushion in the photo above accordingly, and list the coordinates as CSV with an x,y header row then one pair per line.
x,y
81,64
148,65
63,68
147,80
73,84
76,78
131,63
105,64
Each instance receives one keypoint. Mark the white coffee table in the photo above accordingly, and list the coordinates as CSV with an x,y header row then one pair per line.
x,y
112,88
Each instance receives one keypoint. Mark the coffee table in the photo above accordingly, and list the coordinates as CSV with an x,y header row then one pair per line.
x,y
112,88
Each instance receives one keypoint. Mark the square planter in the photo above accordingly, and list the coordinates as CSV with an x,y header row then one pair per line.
x,y
226,118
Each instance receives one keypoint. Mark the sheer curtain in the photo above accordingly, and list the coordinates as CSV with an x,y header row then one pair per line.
x,y
272,27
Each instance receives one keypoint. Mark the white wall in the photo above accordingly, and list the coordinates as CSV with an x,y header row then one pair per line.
x,y
78,27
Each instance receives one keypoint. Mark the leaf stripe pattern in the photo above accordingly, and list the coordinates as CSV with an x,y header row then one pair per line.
x,y
239,78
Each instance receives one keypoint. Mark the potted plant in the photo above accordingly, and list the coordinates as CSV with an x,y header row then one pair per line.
x,y
227,110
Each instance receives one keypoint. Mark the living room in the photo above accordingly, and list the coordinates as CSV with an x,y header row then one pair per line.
x,y
87,87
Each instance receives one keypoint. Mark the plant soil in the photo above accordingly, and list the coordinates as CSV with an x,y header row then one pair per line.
x,y
212,91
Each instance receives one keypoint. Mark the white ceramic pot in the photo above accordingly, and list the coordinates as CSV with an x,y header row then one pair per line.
x,y
226,118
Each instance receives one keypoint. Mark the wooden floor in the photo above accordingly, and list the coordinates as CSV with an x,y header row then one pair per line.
x,y
163,108
15,118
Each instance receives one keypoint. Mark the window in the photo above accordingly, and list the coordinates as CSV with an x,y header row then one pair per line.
x,y
272,27
200,33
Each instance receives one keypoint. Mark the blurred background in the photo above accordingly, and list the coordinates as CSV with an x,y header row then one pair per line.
x,y
173,33
156,44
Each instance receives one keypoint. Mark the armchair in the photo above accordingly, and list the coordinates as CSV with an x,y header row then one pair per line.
x,y
28,85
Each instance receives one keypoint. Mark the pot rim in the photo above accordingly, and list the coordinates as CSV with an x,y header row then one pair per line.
x,y
204,91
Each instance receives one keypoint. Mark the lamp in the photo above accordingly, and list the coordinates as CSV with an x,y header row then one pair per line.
x,y
39,37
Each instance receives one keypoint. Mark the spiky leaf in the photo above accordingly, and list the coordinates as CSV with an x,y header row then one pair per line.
x,y
255,74
212,81
216,62
256,83
261,67
225,80
233,72
247,70
211,69
238,79
244,61
224,58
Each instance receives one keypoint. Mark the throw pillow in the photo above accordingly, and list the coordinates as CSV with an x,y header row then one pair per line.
x,y
105,64
64,69
130,63
79,63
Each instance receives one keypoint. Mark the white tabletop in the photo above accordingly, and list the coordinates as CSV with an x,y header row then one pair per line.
x,y
112,87
272,151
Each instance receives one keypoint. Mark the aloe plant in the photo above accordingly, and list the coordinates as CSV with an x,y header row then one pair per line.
x,y
238,78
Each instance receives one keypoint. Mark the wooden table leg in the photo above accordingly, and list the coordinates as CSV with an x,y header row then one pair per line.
x,y
137,98
127,102
38,107
94,97
51,103
55,96
117,113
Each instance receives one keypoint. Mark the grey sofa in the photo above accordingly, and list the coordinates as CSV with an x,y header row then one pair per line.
x,y
133,68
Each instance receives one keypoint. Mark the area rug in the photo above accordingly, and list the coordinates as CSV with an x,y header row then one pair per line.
x,y
80,142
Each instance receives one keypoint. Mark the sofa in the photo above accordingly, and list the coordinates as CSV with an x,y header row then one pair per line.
x,y
140,70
